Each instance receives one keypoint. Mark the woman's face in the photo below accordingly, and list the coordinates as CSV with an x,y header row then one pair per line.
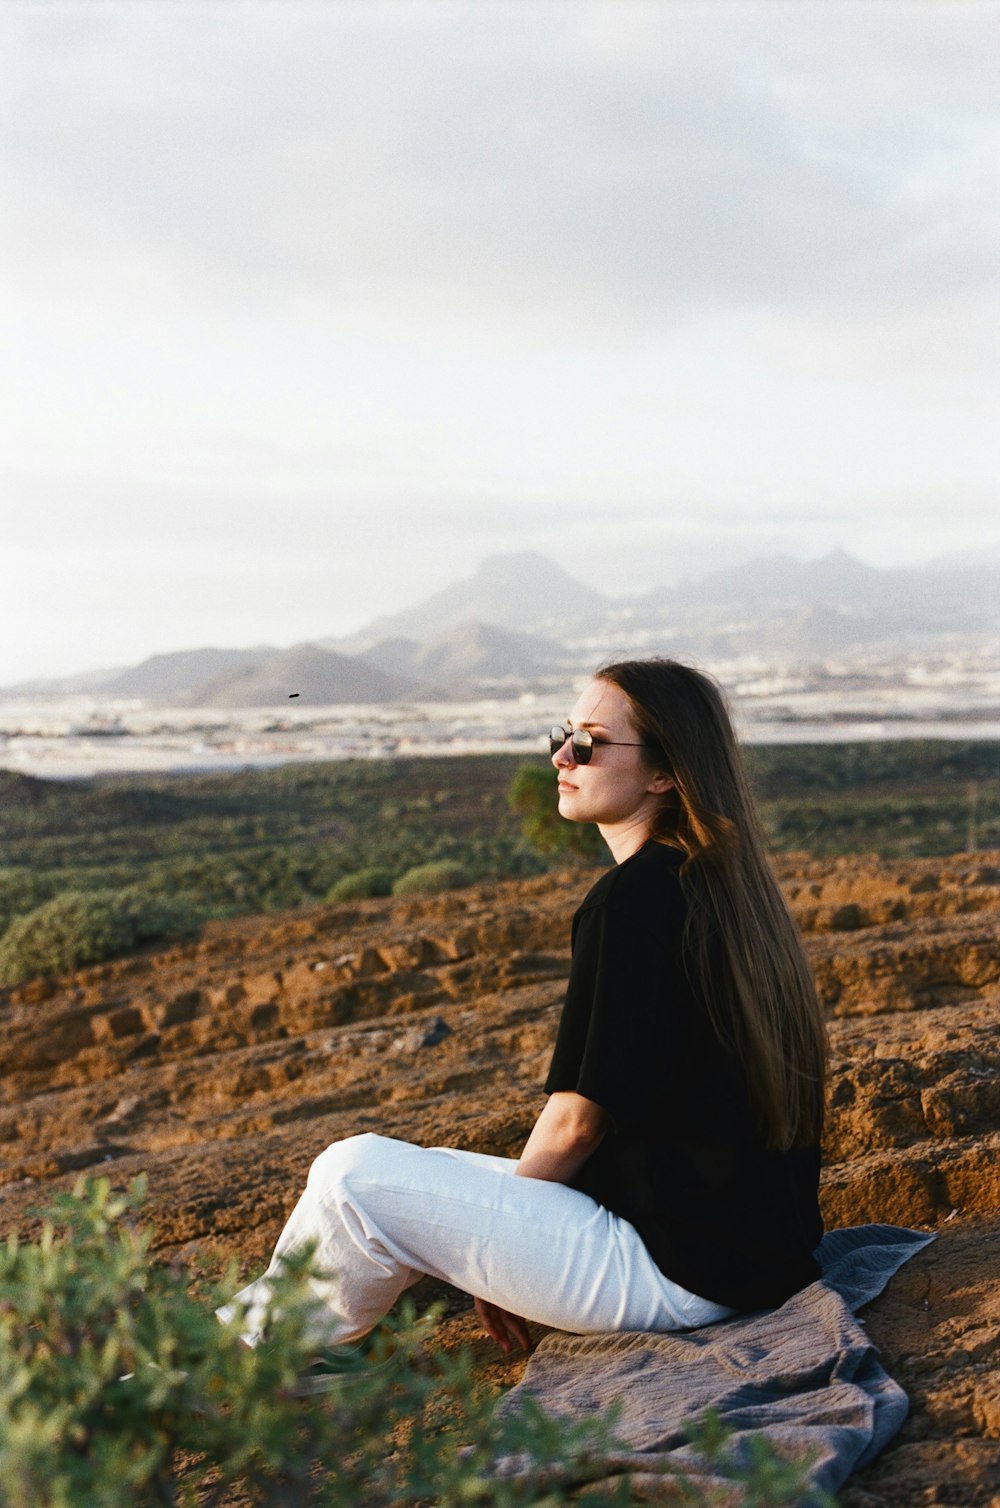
x,y
618,788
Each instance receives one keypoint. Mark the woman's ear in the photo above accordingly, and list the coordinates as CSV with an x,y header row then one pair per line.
x,y
660,784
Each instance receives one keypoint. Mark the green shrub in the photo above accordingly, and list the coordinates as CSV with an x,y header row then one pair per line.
x,y
440,874
533,796
361,885
21,890
119,1389
87,926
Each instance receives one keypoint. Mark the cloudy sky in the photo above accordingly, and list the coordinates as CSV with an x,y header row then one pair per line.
x,y
308,307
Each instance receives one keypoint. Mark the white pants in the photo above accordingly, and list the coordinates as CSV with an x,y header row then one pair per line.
x,y
383,1212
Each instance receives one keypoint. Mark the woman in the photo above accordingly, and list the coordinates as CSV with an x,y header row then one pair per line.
x,y
671,1177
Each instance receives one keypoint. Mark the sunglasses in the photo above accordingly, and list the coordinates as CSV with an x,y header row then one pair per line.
x,y
583,743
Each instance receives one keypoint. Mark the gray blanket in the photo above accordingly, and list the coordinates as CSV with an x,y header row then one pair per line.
x,y
805,1374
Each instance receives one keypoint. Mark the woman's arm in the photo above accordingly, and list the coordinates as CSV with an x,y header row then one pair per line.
x,y
568,1130
561,1140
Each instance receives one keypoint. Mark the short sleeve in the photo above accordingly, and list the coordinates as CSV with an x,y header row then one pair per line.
x,y
614,1044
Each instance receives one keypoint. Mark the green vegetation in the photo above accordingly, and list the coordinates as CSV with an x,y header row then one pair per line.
x,y
258,840
899,800
81,927
270,839
362,885
533,798
427,879
119,1389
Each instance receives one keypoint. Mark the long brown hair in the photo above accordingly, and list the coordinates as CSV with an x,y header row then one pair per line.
x,y
742,944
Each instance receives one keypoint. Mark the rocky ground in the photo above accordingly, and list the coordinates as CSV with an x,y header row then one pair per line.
x,y
220,1068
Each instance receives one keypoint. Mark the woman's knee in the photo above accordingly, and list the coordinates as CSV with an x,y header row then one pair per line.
x,y
356,1155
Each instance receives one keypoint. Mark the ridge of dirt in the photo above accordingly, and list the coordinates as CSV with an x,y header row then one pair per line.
x,y
221,1067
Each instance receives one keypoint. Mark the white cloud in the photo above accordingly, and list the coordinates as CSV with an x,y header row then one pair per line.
x,y
464,154
402,284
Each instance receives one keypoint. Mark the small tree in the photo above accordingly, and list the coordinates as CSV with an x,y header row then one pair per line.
x,y
533,796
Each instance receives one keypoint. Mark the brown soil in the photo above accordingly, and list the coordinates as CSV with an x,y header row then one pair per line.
x,y
220,1068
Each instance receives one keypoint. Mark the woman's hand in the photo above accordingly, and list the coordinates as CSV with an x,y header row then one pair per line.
x,y
508,1330
562,1138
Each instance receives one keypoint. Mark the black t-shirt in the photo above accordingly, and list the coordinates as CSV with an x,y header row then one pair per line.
x,y
683,1161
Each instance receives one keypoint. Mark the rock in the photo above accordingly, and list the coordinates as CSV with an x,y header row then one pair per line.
x,y
986,1404
233,1061
848,918
121,1023
422,1036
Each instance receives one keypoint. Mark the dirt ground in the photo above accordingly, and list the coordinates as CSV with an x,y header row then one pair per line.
x,y
220,1068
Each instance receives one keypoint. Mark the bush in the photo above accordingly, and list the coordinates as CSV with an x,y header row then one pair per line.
x,y
440,874
88,926
361,885
120,1389
533,796
21,890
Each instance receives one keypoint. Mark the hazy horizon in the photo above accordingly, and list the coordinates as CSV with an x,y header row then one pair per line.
x,y
993,551
307,309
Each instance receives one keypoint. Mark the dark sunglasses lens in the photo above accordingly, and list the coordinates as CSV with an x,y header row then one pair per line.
x,y
580,742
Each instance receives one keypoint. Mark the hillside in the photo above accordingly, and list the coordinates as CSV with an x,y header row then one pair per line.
x,y
776,610
525,590
222,1067
467,660
319,676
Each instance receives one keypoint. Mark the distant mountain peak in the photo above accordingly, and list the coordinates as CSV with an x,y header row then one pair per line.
x,y
840,559
514,559
524,591
513,565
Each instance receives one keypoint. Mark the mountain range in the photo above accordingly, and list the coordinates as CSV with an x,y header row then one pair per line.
x,y
521,622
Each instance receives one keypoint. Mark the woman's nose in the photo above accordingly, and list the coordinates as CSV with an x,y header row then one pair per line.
x,y
564,754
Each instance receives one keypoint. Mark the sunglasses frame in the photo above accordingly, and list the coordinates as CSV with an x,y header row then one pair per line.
x,y
583,743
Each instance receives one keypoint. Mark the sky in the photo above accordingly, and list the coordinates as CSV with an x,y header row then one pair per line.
x,y
306,308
